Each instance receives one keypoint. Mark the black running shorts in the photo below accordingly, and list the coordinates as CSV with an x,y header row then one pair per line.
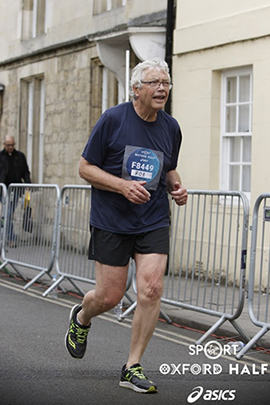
x,y
116,249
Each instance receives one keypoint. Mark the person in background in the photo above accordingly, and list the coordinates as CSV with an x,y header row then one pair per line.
x,y
13,169
130,160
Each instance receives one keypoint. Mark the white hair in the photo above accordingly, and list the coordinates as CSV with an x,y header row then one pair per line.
x,y
138,71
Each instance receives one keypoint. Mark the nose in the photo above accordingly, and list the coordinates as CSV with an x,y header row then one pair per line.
x,y
161,84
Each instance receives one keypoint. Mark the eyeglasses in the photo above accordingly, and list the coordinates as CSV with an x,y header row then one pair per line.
x,y
9,145
155,84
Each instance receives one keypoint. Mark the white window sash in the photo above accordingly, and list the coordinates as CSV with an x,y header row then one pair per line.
x,y
34,21
30,123
226,137
41,131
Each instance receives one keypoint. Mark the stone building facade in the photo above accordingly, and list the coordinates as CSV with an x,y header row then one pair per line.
x,y
61,64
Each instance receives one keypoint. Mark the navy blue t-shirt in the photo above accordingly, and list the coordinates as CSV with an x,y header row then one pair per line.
x,y
118,127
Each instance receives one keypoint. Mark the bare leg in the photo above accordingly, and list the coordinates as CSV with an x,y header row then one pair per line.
x,y
150,271
110,288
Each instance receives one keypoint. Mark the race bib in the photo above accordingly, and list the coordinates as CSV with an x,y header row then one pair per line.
x,y
143,164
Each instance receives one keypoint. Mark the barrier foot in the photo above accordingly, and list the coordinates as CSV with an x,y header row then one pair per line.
x,y
54,285
165,316
127,311
218,324
37,277
252,343
2,266
212,330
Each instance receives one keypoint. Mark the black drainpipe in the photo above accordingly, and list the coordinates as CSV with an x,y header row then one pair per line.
x,y
169,44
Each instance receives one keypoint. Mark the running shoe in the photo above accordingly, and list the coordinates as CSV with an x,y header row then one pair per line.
x,y
76,336
135,379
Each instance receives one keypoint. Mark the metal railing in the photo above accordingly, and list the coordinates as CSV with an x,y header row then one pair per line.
x,y
207,262
259,271
3,197
30,226
73,238
43,227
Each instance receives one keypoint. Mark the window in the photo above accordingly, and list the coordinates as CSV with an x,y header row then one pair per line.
x,y
33,18
104,90
96,91
236,130
100,6
32,106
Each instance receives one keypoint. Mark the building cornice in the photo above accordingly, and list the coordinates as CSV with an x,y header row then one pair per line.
x,y
47,52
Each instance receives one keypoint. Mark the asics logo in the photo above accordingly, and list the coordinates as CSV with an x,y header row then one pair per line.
x,y
210,395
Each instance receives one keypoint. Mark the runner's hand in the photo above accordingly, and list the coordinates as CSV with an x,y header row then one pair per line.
x,y
179,194
134,192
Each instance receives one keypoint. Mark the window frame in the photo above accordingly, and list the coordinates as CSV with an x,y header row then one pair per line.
x,y
102,6
226,136
32,120
34,19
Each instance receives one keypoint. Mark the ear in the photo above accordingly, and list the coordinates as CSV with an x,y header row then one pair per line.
x,y
135,91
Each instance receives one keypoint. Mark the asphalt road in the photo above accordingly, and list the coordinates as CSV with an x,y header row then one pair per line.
x,y
35,367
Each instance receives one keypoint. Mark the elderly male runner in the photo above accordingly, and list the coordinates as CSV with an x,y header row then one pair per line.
x,y
130,160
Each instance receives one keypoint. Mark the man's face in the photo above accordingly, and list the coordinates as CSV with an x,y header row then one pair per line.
x,y
9,145
155,93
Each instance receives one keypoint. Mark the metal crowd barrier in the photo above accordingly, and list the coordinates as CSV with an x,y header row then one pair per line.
x,y
30,226
3,196
207,261
41,227
259,271
73,238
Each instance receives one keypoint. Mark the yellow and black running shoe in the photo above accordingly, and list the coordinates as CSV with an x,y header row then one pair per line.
x,y
135,379
76,336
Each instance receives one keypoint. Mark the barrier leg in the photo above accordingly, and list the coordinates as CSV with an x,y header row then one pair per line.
x,y
127,311
18,272
240,331
165,316
218,324
54,285
2,266
212,330
252,343
78,288
37,277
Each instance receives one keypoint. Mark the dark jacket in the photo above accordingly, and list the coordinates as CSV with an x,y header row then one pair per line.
x,y
20,169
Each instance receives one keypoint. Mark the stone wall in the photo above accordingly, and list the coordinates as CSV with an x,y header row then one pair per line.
x,y
67,115
67,80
